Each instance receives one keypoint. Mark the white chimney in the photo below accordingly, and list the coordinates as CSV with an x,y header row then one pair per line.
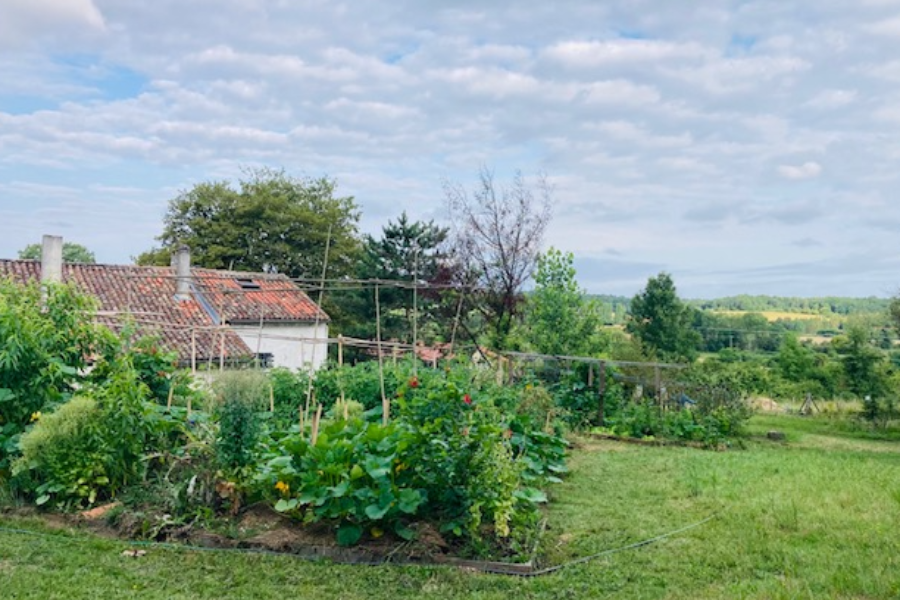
x,y
51,259
181,261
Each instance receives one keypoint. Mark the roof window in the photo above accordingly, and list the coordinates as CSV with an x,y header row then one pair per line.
x,y
247,283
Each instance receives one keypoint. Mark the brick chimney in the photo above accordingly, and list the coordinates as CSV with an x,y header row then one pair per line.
x,y
181,262
51,259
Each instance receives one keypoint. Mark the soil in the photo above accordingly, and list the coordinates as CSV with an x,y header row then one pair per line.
x,y
260,528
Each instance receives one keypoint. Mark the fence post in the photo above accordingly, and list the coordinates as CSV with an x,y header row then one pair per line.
x,y
601,390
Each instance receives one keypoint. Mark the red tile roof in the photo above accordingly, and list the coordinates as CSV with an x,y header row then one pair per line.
x,y
245,297
146,295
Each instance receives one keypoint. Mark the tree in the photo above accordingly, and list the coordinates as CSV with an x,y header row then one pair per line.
x,y
406,251
71,253
272,222
662,322
497,233
795,362
559,319
861,361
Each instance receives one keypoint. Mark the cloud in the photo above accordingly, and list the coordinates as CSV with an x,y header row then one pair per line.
x,y
887,27
23,22
594,54
807,170
691,137
832,99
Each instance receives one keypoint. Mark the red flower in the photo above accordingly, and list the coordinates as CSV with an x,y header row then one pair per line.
x,y
414,382
467,399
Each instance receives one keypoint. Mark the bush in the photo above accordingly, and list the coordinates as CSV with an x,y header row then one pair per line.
x,y
91,446
64,456
239,395
47,338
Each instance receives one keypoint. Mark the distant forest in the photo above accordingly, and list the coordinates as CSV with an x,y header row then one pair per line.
x,y
759,323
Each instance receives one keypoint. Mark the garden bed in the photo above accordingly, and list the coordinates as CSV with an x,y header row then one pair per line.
x,y
261,529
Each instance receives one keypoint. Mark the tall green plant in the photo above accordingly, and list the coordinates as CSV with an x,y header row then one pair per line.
x,y
48,335
559,317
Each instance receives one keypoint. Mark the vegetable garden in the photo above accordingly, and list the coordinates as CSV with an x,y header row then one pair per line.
x,y
463,454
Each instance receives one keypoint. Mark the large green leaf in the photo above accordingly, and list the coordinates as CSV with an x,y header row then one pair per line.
x,y
376,512
530,494
410,500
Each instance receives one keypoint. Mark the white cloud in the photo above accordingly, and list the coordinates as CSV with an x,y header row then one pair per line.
x,y
831,99
593,54
25,21
887,27
668,126
807,170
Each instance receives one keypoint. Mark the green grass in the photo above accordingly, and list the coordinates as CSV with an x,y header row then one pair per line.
x,y
815,517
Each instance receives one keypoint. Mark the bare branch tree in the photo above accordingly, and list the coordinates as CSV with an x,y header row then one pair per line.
x,y
498,233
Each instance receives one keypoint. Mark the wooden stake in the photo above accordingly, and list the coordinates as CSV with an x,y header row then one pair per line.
x,y
456,322
309,389
193,352
221,349
271,398
601,389
314,436
385,406
171,393
340,339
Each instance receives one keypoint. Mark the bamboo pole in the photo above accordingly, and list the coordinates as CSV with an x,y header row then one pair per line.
x,y
193,352
309,388
221,348
317,418
385,406
456,322
271,398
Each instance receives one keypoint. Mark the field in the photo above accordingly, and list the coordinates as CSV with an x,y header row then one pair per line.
x,y
813,517
773,315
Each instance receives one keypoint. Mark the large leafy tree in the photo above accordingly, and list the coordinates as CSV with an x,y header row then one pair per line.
x,y
71,253
662,322
559,318
497,233
270,222
861,361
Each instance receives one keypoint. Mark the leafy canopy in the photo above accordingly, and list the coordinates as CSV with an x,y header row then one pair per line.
x,y
559,318
662,322
272,222
71,253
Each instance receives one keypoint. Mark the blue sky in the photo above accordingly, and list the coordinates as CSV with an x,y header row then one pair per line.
x,y
744,147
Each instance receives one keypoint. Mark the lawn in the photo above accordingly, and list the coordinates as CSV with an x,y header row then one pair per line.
x,y
813,517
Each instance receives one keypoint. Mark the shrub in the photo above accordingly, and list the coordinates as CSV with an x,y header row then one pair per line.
x,y
91,446
47,338
64,456
239,395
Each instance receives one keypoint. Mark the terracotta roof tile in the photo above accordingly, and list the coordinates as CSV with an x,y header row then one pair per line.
x,y
146,295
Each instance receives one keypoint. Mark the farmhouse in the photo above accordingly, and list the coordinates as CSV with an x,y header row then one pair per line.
x,y
207,316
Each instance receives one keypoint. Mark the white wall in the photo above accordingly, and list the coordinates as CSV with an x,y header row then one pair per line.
x,y
291,345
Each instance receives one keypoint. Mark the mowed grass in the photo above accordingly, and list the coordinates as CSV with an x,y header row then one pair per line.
x,y
817,516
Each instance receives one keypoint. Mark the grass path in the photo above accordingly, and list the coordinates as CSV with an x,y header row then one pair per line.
x,y
816,517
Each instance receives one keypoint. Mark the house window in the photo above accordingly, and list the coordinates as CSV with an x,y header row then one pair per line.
x,y
247,284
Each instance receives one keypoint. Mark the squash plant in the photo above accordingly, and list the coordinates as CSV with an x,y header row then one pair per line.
x,y
353,474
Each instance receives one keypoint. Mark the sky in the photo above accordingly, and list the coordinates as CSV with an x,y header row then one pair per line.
x,y
741,146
